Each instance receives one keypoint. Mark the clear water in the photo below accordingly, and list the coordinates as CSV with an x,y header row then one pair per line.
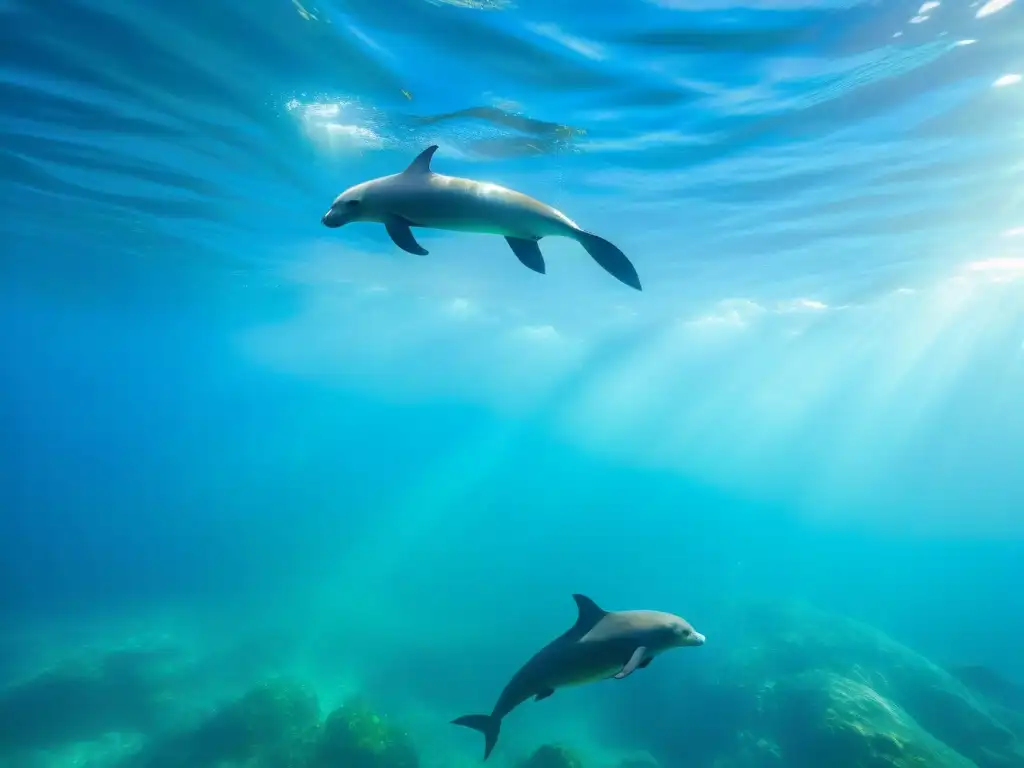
x,y
230,427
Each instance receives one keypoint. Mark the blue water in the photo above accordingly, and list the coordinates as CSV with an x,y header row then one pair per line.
x,y
223,421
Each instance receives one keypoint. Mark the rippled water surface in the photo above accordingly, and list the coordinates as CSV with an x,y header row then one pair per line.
x,y
823,200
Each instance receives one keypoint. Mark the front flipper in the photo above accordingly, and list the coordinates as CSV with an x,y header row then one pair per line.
x,y
632,664
528,252
543,694
401,235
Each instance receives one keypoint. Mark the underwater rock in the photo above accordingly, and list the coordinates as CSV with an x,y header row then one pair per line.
x,y
880,701
85,698
1013,720
821,718
273,725
1005,698
990,685
792,640
272,717
551,756
355,736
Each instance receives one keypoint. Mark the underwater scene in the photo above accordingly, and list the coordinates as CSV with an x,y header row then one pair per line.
x,y
520,383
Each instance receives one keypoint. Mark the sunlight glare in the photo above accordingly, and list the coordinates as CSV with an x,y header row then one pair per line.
x,y
335,125
993,6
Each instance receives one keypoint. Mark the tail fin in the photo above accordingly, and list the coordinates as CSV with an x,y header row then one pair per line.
x,y
610,258
489,726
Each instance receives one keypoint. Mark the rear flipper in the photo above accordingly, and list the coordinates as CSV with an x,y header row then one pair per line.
x,y
489,726
609,257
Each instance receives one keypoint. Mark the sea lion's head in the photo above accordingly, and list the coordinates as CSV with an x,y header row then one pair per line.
x,y
683,634
347,207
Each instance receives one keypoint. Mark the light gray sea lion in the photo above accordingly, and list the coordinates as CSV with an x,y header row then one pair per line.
x,y
418,197
601,644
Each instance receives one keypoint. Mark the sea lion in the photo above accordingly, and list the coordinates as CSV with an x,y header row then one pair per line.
x,y
601,644
418,197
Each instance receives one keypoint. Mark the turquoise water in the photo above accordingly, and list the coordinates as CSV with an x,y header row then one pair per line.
x,y
246,446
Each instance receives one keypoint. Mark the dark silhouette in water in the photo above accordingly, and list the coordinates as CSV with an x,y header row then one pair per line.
x,y
601,644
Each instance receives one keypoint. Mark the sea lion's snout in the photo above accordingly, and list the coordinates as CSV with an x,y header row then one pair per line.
x,y
686,636
333,218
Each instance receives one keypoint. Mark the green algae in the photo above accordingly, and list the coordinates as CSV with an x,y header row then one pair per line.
x,y
357,736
